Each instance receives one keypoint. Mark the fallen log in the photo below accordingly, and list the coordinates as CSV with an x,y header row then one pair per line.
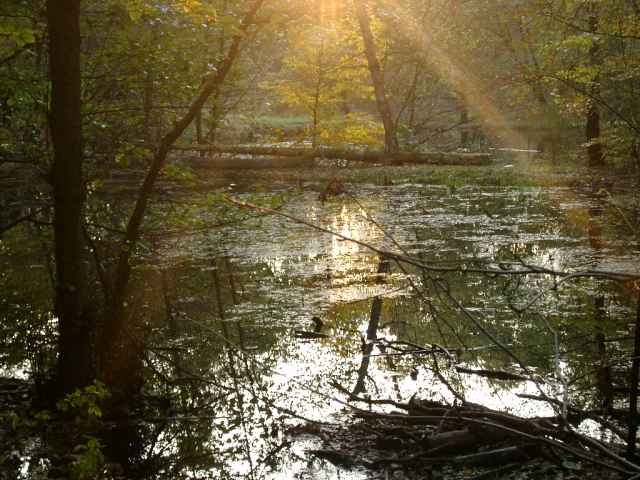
x,y
430,434
456,441
493,374
251,162
491,458
306,154
336,458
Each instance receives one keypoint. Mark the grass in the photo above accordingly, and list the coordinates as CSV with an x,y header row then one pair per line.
x,y
515,174
506,171
450,176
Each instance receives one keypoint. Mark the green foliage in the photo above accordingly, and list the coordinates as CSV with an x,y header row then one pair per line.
x,y
131,156
88,460
11,419
179,173
84,404
321,77
353,129
19,35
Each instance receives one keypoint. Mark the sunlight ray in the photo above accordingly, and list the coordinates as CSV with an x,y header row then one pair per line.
x,y
468,85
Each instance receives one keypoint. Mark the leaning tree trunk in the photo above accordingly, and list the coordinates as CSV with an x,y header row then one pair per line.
x,y
147,104
377,78
74,356
120,347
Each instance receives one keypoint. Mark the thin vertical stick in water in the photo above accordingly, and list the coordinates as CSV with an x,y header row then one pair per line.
x,y
384,267
633,395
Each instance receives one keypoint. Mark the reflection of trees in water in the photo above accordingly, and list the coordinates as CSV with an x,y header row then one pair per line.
x,y
603,373
207,407
27,329
506,320
372,330
222,416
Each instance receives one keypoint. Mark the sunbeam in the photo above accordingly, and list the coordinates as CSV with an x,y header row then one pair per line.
x,y
460,77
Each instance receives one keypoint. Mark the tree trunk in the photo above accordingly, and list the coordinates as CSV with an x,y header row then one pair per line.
x,y
147,105
384,267
314,132
199,138
632,439
216,107
316,97
377,78
592,130
214,118
413,95
74,360
464,127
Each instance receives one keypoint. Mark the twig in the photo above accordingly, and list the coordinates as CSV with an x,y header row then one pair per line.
x,y
633,381
496,471
532,437
10,225
436,370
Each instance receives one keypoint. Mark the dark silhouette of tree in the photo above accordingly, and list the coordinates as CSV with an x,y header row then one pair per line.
x,y
71,305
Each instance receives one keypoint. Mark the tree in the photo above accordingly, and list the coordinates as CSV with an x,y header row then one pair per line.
x,y
377,77
118,349
71,300
592,129
321,77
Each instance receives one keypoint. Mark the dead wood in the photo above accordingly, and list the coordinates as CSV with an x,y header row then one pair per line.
x,y
487,458
496,472
309,335
634,377
553,438
457,441
500,456
493,374
337,458
250,162
431,434
367,156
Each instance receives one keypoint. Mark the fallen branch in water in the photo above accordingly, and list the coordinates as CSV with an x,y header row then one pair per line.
x,y
493,374
431,433
426,424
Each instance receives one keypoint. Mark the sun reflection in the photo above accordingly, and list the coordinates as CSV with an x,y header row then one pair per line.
x,y
350,223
